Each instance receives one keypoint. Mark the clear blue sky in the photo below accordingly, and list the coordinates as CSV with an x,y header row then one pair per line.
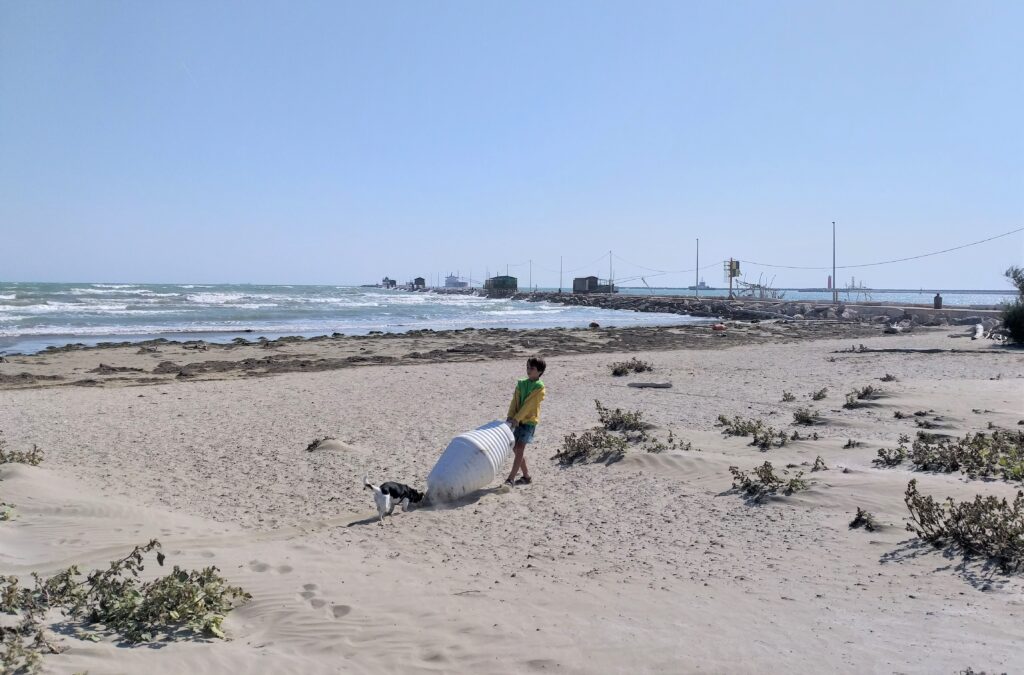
x,y
336,142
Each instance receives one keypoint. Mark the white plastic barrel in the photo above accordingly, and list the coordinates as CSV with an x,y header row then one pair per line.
x,y
470,462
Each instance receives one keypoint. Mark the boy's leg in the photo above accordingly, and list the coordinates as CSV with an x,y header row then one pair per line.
x,y
518,462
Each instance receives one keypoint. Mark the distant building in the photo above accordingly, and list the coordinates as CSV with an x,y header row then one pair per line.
x,y
419,282
453,281
592,285
502,285
584,285
388,283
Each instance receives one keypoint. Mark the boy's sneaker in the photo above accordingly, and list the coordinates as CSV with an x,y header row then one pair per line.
x,y
509,482
524,480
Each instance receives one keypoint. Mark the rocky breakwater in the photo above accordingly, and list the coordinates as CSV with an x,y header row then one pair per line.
x,y
903,316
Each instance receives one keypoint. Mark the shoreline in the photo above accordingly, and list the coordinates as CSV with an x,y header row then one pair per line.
x,y
161,361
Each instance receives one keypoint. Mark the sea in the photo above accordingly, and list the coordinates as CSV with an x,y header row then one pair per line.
x,y
34,316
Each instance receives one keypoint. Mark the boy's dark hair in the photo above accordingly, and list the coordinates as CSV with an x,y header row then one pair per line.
x,y
538,363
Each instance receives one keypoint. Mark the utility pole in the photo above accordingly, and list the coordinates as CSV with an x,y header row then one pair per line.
x,y
531,274
609,272
696,273
559,275
835,293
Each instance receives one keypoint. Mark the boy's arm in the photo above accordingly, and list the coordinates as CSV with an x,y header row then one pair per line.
x,y
531,406
512,407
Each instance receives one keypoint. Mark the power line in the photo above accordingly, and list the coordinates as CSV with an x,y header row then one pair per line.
x,y
887,262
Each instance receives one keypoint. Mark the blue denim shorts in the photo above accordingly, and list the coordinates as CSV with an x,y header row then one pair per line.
x,y
524,433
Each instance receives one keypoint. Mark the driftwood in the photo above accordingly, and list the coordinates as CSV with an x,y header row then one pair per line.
x,y
651,385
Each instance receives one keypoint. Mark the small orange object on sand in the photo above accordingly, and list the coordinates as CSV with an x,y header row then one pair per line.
x,y
718,326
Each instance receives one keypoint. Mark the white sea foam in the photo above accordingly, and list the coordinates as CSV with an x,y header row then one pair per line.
x,y
214,298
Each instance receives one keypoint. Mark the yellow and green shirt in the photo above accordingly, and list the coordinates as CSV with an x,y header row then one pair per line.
x,y
525,406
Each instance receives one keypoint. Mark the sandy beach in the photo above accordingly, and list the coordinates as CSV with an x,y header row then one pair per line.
x,y
649,564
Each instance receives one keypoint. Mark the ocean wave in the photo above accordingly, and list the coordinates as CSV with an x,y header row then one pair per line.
x,y
12,296
64,308
214,298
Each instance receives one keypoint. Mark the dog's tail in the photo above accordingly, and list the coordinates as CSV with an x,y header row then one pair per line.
x,y
367,485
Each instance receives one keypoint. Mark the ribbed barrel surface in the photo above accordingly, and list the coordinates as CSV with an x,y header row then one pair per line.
x,y
470,462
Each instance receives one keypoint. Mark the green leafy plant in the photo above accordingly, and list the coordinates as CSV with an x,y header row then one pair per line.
x,y
819,465
807,417
634,365
999,455
591,446
764,436
987,526
864,519
737,426
788,397
889,378
33,456
765,481
619,420
656,446
820,394
182,602
869,393
893,457
1013,313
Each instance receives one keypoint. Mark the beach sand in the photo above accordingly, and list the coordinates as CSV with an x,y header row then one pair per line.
x,y
650,564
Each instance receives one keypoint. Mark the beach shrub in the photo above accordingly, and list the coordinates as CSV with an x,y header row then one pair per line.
x,y
765,481
807,416
819,465
1013,313
6,511
864,519
764,436
788,397
180,604
619,420
591,446
999,455
33,456
987,526
868,393
892,457
888,378
672,443
850,443
737,426
820,394
634,365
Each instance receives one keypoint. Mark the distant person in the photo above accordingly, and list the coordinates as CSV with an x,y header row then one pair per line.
x,y
523,416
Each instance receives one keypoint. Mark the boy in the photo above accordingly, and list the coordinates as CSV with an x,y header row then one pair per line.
x,y
523,415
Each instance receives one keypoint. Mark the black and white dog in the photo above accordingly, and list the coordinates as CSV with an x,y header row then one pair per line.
x,y
401,493
386,495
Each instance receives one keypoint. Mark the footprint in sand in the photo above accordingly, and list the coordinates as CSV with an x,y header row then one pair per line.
x,y
309,594
257,566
